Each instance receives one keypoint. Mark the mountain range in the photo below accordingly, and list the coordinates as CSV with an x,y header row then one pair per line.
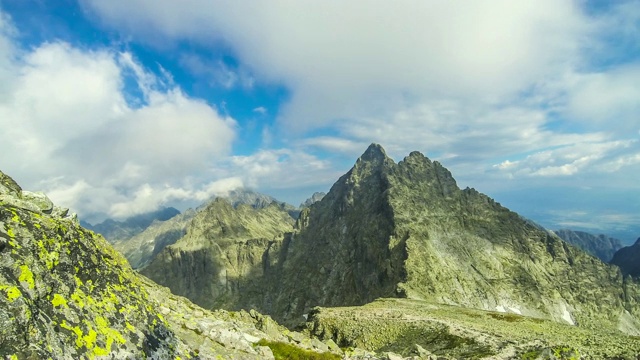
x,y
600,246
395,261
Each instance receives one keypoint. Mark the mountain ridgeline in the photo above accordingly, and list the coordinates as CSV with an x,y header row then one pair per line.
x,y
114,230
600,246
389,229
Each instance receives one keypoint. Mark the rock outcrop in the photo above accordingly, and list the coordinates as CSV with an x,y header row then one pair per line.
x,y
600,246
65,293
628,259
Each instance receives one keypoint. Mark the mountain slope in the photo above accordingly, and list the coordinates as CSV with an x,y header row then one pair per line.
x,y
600,246
143,247
628,259
223,247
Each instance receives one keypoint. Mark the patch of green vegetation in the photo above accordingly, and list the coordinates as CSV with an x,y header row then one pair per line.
x,y
284,351
557,352
531,355
506,317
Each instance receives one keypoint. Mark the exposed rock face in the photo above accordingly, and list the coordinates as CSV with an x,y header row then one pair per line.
x,y
317,196
223,249
248,197
628,259
115,231
66,294
397,230
600,246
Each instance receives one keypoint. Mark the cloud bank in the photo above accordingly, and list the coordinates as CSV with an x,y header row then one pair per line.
x,y
71,129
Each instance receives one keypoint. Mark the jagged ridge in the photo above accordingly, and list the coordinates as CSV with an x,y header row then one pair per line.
x,y
407,230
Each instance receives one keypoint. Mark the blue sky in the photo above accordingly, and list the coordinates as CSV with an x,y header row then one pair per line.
x,y
117,107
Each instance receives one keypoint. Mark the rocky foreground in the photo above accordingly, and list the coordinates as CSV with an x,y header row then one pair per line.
x,y
65,293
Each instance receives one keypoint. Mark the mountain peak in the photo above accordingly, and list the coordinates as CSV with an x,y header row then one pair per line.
x,y
374,152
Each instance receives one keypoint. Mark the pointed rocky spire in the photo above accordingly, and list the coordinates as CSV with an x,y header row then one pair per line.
x,y
374,152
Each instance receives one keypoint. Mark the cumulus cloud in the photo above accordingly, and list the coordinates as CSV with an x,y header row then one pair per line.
x,y
585,157
536,88
609,98
69,129
360,54
282,169
466,82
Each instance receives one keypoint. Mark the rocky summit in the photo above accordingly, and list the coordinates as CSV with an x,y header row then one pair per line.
x,y
65,293
404,230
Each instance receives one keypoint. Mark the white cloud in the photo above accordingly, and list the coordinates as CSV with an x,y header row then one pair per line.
x,y
218,73
69,130
282,169
609,98
339,58
585,157
335,144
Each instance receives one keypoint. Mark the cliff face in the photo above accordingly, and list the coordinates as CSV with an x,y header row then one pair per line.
x,y
600,246
407,230
66,294
465,249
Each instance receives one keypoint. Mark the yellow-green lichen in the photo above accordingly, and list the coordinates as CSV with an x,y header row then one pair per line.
x,y
130,327
59,300
12,292
77,297
76,330
27,276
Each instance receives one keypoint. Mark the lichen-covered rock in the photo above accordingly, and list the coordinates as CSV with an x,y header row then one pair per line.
x,y
65,293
